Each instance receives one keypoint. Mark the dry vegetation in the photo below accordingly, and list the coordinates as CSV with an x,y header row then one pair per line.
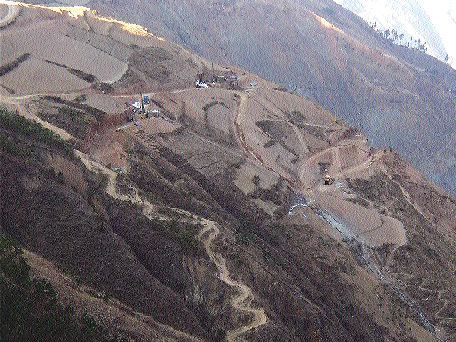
x,y
211,220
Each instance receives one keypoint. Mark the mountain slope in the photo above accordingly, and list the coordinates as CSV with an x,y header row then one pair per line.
x,y
399,97
418,19
30,309
209,219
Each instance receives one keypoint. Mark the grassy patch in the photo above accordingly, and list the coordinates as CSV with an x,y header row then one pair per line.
x,y
281,88
245,235
95,112
271,128
106,88
78,73
7,145
318,132
29,309
360,201
277,133
22,126
72,120
184,233
297,118
80,99
83,75
270,143
159,54
323,167
244,238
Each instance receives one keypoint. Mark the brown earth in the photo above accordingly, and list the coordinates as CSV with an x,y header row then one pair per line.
x,y
212,222
399,97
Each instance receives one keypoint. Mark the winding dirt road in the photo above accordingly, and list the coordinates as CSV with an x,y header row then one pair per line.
x,y
242,301
244,297
335,151
248,150
22,110
240,134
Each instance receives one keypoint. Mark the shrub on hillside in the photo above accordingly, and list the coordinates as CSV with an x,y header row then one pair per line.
x,y
29,310
26,127
7,145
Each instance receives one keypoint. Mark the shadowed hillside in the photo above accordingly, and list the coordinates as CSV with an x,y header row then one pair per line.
x,y
204,213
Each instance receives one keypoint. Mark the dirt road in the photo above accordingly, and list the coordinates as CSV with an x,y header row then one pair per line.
x,y
244,297
238,130
13,12
242,301
22,110
337,171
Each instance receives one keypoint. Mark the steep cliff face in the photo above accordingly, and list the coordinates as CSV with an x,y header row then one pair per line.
x,y
209,217
399,97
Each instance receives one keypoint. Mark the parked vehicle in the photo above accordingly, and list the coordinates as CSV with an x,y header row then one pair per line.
x,y
201,84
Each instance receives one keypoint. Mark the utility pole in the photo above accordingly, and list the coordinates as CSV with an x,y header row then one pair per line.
x,y
213,75
142,104
249,63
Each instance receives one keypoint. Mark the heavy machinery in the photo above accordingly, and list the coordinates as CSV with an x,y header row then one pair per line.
x,y
328,180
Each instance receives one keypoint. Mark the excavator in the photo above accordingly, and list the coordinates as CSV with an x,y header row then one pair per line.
x,y
328,180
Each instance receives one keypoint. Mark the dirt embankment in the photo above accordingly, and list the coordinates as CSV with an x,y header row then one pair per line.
x,y
9,15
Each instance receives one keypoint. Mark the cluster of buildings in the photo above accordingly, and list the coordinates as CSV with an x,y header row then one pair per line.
x,y
140,109
228,80
143,108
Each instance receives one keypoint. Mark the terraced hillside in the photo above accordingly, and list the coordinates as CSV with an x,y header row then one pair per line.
x,y
208,218
399,97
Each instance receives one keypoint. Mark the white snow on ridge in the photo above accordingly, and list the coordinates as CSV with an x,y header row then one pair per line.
x,y
432,21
